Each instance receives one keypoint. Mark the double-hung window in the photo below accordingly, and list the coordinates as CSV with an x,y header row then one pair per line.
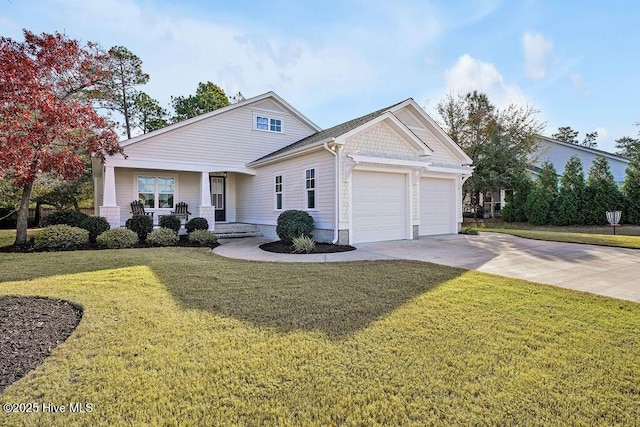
x,y
156,191
310,188
278,193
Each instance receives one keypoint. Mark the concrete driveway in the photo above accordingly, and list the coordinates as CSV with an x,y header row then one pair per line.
x,y
601,270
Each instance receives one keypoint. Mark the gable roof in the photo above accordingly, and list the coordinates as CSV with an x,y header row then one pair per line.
x,y
583,148
327,134
219,111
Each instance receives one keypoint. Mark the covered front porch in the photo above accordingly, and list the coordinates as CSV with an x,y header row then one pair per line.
x,y
209,192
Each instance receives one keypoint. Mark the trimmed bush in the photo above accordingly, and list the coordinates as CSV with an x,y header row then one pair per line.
x,y
162,237
171,222
197,223
95,225
142,225
118,238
61,237
203,238
303,244
292,224
72,218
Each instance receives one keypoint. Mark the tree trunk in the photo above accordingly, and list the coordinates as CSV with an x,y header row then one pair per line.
x,y
23,215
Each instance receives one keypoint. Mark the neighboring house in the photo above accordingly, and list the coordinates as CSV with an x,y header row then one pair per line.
x,y
389,175
558,154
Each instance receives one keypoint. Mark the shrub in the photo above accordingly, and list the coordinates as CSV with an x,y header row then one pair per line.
x,y
162,237
141,225
303,244
171,222
203,238
95,225
72,218
197,223
61,237
117,238
469,230
292,224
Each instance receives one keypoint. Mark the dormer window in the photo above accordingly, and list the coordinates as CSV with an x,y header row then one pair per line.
x,y
267,123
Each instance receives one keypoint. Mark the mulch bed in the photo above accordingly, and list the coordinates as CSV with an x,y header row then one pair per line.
x,y
321,248
29,247
30,328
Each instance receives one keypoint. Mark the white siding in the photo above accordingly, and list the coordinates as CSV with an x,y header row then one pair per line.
x,y
227,138
255,194
441,154
381,139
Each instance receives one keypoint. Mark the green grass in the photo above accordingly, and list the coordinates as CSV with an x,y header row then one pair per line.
x,y
180,336
7,237
621,241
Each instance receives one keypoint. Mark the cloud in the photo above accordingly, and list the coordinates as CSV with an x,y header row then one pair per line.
x,y
578,82
603,133
469,74
537,49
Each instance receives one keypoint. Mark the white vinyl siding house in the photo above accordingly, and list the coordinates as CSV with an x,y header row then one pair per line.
x,y
391,174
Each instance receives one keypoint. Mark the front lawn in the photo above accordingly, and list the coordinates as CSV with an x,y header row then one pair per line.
x,y
622,241
180,336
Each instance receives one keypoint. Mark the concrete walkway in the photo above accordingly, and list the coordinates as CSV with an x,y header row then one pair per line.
x,y
601,270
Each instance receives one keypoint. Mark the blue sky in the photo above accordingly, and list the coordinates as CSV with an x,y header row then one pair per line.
x,y
575,61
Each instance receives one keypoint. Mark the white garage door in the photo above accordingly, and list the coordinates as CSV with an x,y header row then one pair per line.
x,y
380,210
437,206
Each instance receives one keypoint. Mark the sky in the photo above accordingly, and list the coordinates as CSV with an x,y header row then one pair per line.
x,y
576,62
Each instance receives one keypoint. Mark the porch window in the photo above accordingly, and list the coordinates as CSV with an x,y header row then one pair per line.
x,y
156,191
278,192
310,187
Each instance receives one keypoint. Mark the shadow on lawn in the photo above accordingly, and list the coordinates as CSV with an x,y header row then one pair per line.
x,y
335,298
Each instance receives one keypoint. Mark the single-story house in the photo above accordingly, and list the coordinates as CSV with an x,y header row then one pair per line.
x,y
558,154
389,175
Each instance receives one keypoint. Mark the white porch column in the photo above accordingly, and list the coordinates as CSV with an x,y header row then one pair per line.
x,y
109,209
206,210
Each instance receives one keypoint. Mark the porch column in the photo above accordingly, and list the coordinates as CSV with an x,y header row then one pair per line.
x,y
206,210
109,209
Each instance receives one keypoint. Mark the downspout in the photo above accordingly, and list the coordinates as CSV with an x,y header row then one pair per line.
x,y
337,189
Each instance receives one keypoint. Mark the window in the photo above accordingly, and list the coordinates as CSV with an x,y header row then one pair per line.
x,y
310,187
156,191
269,124
278,192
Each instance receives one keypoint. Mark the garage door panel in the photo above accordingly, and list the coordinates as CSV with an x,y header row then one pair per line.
x,y
437,206
379,206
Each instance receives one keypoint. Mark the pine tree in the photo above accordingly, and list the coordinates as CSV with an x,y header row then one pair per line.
x,y
631,190
571,200
541,202
602,193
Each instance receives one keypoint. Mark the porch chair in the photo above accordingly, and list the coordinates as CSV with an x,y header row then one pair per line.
x,y
137,208
182,211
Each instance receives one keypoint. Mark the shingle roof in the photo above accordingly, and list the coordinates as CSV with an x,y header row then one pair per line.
x,y
332,132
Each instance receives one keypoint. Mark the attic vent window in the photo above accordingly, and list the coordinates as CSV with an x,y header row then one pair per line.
x,y
269,124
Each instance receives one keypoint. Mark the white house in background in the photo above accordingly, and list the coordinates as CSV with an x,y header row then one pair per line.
x,y
558,154
389,175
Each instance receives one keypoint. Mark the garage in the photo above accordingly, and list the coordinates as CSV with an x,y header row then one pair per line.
x,y
380,206
437,206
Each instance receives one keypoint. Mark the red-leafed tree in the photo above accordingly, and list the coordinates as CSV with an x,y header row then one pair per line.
x,y
47,122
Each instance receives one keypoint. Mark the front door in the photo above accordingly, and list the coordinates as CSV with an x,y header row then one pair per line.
x,y
217,197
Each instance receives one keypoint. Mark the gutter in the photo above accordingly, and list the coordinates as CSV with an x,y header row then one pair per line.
x,y
337,189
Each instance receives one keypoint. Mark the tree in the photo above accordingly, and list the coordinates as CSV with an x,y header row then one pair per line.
x,y
590,139
119,90
46,125
516,200
541,202
631,189
499,142
571,202
628,147
238,97
602,192
147,114
208,97
566,134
